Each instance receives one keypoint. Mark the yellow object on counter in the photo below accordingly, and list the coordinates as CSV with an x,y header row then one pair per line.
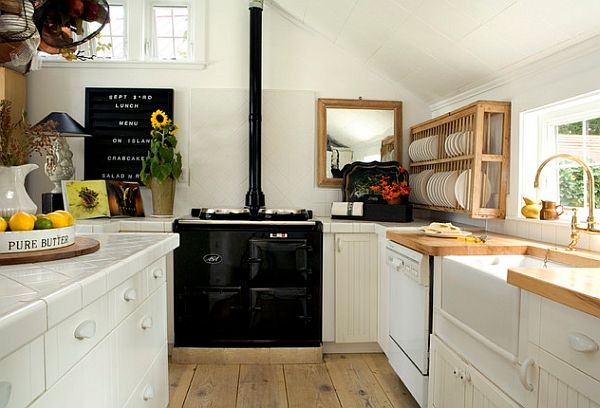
x,y
472,239
531,209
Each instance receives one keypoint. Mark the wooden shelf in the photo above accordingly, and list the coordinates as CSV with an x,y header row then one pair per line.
x,y
486,125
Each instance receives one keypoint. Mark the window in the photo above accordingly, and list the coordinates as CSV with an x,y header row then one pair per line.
x,y
171,30
569,127
581,139
110,43
170,26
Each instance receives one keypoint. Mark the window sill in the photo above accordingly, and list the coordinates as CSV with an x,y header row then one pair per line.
x,y
565,220
113,64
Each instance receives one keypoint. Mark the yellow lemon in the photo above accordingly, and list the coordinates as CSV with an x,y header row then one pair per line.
x,y
33,217
3,224
67,215
58,220
21,221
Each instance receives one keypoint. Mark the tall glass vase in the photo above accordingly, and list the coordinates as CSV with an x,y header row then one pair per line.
x,y
13,196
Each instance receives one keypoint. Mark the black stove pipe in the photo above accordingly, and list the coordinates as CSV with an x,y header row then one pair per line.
x,y
255,198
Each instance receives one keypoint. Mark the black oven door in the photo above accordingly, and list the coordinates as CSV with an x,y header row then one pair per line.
x,y
279,262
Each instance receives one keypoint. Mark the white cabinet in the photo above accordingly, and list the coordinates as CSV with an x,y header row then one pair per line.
x,y
356,287
456,384
22,375
447,375
112,353
557,384
88,384
564,346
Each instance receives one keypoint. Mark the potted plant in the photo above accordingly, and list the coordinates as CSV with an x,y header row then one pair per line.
x,y
162,166
17,142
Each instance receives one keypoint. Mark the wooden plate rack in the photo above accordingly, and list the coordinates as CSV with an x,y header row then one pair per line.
x,y
487,132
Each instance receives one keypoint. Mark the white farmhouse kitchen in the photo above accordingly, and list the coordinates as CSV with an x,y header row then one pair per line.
x,y
299,204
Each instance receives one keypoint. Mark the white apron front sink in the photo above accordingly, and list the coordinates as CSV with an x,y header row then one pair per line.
x,y
475,291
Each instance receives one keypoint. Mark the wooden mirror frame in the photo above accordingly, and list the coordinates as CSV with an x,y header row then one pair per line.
x,y
323,104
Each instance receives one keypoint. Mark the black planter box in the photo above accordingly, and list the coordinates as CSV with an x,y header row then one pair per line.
x,y
384,212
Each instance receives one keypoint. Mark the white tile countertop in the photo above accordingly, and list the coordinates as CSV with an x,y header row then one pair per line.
x,y
36,296
151,224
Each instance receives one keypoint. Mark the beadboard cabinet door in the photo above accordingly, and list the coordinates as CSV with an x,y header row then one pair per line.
x,y
447,377
356,263
558,384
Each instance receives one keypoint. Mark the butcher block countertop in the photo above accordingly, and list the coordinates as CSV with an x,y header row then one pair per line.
x,y
577,287
435,246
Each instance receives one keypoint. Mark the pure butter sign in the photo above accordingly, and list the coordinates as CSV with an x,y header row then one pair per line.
x,y
119,121
26,241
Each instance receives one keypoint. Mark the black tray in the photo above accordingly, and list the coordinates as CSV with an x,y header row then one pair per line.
x,y
383,212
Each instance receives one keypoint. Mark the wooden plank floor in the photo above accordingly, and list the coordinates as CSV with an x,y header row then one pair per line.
x,y
341,381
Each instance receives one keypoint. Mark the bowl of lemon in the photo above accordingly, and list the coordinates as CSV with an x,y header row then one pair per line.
x,y
23,232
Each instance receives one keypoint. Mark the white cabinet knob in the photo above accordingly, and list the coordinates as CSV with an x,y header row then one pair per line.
x,y
5,390
130,294
85,330
456,372
582,343
146,323
148,393
157,273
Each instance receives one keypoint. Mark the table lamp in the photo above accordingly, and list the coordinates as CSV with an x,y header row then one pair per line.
x,y
59,164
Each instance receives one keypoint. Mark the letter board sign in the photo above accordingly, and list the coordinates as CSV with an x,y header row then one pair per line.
x,y
119,121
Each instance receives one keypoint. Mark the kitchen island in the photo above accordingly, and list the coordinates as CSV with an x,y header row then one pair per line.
x,y
87,331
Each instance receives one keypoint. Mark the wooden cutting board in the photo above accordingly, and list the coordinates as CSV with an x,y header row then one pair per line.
x,y
82,246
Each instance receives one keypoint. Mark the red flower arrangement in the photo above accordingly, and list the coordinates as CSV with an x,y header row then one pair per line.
x,y
391,191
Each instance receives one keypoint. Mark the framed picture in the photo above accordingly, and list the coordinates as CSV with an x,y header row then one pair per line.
x,y
86,198
124,198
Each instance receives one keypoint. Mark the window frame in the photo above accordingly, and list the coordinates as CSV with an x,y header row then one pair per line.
x,y
137,36
150,40
537,127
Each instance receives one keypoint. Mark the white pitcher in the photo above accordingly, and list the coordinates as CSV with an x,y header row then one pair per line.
x,y
13,196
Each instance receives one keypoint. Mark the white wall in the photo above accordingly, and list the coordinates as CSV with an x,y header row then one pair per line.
x,y
293,59
574,72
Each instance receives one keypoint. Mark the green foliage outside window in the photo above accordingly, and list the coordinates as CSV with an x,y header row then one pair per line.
x,y
571,184
576,128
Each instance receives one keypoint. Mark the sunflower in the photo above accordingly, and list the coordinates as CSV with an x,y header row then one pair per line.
x,y
159,119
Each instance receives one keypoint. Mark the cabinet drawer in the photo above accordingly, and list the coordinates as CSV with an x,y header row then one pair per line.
x,y
88,384
126,297
71,339
571,335
153,390
156,274
22,375
138,340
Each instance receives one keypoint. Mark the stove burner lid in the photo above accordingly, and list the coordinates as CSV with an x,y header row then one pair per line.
x,y
279,214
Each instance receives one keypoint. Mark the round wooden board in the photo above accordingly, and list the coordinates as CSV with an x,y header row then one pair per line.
x,y
81,246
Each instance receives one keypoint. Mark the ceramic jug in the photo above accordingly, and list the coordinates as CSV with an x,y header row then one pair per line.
x,y
550,210
13,196
531,209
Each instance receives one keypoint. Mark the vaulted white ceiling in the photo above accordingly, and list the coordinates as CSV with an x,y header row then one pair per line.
x,y
439,48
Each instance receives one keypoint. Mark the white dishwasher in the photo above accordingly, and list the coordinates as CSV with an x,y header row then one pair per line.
x,y
409,317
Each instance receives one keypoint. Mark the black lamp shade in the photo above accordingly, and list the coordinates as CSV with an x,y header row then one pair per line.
x,y
65,124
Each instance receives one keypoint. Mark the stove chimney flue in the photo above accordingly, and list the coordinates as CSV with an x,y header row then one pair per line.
x,y
255,198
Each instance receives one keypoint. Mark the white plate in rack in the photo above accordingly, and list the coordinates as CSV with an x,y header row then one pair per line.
x,y
462,185
449,189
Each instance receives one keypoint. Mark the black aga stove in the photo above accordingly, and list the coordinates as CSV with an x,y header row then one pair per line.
x,y
249,277
248,283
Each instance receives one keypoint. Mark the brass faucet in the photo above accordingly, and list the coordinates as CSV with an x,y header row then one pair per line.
x,y
591,222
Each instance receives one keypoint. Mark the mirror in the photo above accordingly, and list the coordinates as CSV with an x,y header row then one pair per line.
x,y
352,130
